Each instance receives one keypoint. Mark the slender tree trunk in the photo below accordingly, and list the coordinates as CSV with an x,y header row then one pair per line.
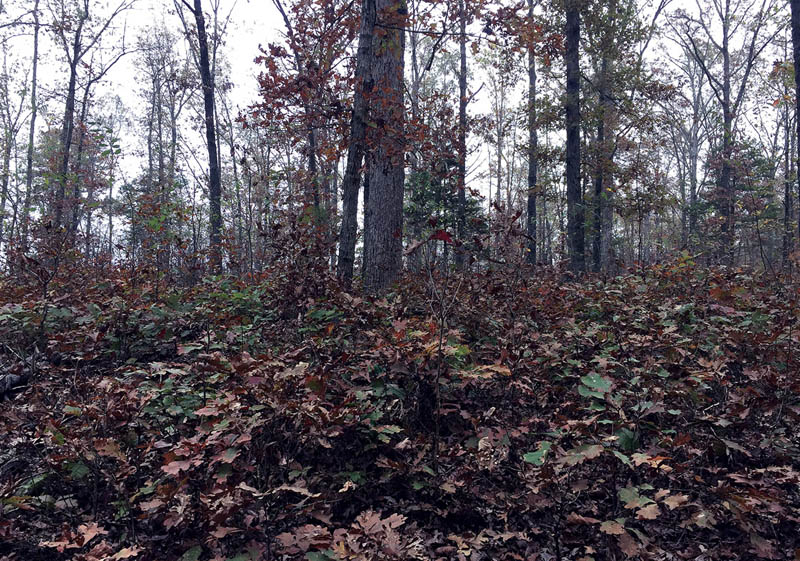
x,y
66,131
357,146
215,183
461,216
31,131
795,5
788,210
533,145
575,210
383,248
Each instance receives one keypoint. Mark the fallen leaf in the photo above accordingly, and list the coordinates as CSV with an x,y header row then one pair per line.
x,y
612,527
674,501
650,512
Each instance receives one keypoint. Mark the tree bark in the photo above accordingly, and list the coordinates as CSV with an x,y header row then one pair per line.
x,y
31,131
795,6
575,210
67,126
383,247
461,217
533,144
214,183
357,146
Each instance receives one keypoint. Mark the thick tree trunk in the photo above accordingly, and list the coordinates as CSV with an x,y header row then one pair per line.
x,y
357,146
214,183
533,143
383,247
575,210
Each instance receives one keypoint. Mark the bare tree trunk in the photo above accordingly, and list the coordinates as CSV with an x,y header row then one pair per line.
x,y
575,210
788,210
66,128
383,247
215,184
795,5
462,131
533,145
357,146
31,131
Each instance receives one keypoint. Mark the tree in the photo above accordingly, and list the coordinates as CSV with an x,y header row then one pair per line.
x,y
748,19
77,36
214,178
364,84
25,219
462,127
795,7
533,144
385,158
575,209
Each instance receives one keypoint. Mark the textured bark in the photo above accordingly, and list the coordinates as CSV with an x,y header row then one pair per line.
x,y
462,130
357,145
383,242
788,210
795,5
214,181
533,144
575,210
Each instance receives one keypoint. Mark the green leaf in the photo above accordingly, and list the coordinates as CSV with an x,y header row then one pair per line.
x,y
192,554
627,439
72,410
623,458
596,382
586,392
537,458
78,470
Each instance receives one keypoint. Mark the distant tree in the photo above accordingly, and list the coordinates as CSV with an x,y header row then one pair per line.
x,y
78,32
214,176
720,23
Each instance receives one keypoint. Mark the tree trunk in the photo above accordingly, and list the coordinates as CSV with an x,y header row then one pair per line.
x,y
795,5
357,146
66,128
31,131
533,143
383,248
575,211
461,216
214,184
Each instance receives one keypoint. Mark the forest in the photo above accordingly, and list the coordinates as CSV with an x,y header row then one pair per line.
x,y
336,280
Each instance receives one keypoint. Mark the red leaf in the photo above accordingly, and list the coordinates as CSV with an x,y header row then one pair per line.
x,y
442,235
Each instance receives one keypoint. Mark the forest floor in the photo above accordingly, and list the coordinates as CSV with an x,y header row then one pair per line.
x,y
650,416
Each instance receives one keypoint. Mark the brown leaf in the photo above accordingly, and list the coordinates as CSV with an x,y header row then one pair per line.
x,y
127,552
575,518
674,501
612,527
650,512
89,531
628,545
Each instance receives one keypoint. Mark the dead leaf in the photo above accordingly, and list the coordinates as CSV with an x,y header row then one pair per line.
x,y
650,512
612,527
674,501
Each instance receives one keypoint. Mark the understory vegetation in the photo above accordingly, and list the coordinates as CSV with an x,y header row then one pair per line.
x,y
497,415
